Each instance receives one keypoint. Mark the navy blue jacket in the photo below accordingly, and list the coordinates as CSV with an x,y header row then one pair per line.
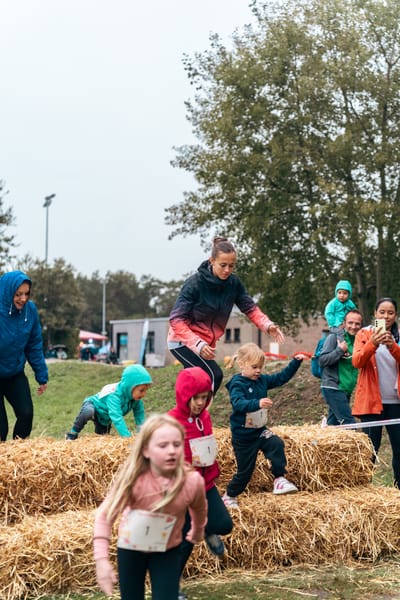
x,y
20,331
245,395
204,305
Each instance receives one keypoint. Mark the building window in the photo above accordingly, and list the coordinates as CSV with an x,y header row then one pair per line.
x,y
236,335
150,345
228,336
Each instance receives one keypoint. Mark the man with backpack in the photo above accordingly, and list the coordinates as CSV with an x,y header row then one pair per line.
x,y
339,377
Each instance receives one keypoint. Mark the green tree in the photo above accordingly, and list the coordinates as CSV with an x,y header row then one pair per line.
x,y
162,294
297,159
58,299
125,298
6,221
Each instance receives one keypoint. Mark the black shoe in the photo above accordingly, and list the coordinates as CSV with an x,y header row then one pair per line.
x,y
215,544
71,436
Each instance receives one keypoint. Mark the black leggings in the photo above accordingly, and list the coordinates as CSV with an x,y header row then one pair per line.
x,y
219,521
188,358
16,390
273,448
163,568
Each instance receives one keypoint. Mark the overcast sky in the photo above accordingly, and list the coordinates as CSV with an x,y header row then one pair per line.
x,y
91,104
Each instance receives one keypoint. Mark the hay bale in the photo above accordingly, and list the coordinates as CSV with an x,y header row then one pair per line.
x,y
53,554
348,525
318,459
44,475
47,554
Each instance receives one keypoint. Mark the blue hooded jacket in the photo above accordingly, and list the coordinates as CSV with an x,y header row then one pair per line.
x,y
20,331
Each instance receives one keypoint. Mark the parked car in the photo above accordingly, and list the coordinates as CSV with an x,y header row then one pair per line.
x,y
59,351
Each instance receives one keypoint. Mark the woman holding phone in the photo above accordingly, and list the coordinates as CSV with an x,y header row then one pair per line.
x,y
376,354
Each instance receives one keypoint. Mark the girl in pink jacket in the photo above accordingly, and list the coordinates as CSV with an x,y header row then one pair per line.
x,y
151,492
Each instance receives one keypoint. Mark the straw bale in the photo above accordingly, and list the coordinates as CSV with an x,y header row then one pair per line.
x,y
53,553
47,554
318,459
44,475
347,525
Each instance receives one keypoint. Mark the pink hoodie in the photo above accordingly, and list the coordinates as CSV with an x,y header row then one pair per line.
x,y
145,494
190,382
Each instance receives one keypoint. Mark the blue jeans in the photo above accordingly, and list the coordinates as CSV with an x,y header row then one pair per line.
x,y
339,411
390,411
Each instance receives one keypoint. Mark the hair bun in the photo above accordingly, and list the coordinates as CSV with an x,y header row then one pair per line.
x,y
219,239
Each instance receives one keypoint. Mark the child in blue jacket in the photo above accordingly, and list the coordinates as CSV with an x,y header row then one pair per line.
x,y
248,394
110,405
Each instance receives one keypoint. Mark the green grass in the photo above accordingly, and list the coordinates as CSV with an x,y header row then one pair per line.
x,y
296,403
336,582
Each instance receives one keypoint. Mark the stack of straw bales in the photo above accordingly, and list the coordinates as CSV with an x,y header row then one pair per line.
x,y
49,490
43,475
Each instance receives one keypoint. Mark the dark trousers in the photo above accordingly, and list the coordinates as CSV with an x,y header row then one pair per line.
x,y
219,521
88,413
246,451
16,390
390,411
188,358
339,411
163,568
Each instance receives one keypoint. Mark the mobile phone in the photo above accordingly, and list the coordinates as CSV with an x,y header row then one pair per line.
x,y
380,325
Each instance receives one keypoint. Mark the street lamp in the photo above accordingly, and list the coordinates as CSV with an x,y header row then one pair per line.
x,y
104,332
47,203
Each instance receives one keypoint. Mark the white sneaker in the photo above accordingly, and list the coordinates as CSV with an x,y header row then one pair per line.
x,y
229,501
283,486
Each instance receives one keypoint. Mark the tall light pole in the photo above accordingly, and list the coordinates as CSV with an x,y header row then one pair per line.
x,y
47,203
104,332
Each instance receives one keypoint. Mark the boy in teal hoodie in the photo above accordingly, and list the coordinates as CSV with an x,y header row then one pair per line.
x,y
340,305
115,400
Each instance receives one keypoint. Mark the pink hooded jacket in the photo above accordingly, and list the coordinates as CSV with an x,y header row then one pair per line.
x,y
190,382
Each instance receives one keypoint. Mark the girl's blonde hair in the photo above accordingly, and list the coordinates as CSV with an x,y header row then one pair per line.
x,y
247,354
136,464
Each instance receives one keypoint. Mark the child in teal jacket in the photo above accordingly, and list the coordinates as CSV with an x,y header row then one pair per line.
x,y
340,305
110,405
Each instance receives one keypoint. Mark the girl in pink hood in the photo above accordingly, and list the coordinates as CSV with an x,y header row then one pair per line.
x,y
193,397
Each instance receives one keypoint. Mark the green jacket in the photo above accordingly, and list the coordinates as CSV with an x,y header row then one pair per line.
x,y
115,400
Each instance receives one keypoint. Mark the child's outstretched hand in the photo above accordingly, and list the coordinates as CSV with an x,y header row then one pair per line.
x,y
265,403
105,576
302,355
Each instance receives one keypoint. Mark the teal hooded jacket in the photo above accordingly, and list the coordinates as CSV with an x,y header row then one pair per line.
x,y
115,400
335,311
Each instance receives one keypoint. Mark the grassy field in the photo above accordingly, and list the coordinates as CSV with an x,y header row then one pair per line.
x,y
296,403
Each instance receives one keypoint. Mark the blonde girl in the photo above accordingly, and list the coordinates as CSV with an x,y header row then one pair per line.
x,y
248,392
151,493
